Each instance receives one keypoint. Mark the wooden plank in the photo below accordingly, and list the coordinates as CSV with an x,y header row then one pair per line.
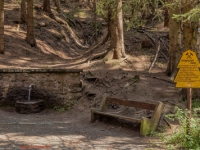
x,y
137,104
117,116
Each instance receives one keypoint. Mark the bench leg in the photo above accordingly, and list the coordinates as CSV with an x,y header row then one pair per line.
x,y
93,116
148,125
145,126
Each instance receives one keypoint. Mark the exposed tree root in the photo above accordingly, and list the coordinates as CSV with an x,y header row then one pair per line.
x,y
101,42
109,55
71,32
96,56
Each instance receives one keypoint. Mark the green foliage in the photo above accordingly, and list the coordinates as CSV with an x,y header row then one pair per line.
x,y
196,103
68,106
103,6
181,138
135,10
192,15
60,109
138,9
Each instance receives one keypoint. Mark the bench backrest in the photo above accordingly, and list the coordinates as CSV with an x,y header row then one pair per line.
x,y
136,104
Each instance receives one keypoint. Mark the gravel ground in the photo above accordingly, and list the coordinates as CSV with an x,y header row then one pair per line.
x,y
68,131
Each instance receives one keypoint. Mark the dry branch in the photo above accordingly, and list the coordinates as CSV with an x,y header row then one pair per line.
x,y
155,58
168,81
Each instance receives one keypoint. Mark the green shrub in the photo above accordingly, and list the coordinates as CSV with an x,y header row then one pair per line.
x,y
60,109
184,137
68,106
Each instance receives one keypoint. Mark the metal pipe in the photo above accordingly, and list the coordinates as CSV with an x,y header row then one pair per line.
x,y
29,92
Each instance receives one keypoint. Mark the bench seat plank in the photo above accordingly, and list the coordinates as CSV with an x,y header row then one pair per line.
x,y
117,116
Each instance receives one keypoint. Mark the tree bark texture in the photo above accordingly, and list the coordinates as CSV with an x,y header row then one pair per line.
x,y
115,31
30,36
166,18
95,20
57,4
46,6
174,42
1,26
189,30
23,11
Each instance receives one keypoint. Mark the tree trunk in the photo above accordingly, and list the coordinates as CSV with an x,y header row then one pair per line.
x,y
166,18
189,31
1,26
30,36
23,11
115,30
46,7
95,21
57,4
174,42
67,2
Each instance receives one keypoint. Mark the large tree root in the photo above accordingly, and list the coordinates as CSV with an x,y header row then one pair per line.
x,y
71,32
101,42
96,56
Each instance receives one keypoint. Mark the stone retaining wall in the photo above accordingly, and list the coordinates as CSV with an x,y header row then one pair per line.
x,y
58,87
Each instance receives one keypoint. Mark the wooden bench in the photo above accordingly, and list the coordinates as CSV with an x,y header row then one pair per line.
x,y
147,125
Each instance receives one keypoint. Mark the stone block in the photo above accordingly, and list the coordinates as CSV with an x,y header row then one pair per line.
x,y
21,77
18,84
26,84
12,77
51,78
6,78
5,84
52,86
32,80
59,78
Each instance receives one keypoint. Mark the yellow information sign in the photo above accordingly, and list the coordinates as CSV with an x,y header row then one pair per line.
x,y
189,58
188,84
188,75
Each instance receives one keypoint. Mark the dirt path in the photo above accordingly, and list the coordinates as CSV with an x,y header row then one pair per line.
x,y
60,131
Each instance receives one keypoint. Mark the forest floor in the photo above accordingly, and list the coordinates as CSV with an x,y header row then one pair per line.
x,y
57,49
